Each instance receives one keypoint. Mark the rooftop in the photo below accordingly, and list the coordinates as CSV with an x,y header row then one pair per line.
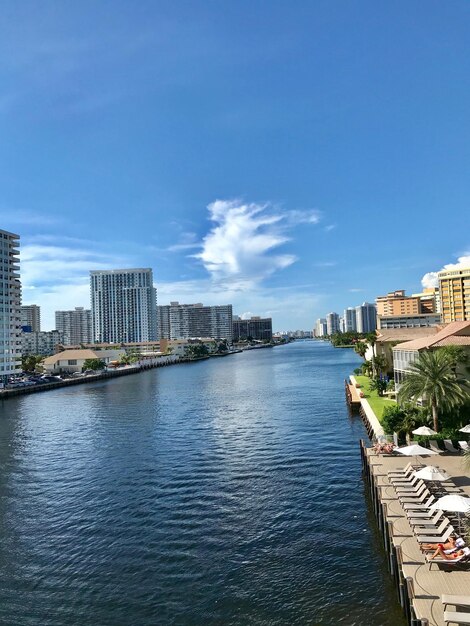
x,y
455,333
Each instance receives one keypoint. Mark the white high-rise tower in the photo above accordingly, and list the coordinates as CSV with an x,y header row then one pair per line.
x,y
123,305
10,302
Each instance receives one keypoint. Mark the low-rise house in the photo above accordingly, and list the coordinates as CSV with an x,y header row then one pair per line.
x,y
404,354
71,361
387,339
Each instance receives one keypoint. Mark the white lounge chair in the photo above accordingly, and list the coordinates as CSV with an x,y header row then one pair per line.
x,y
410,489
434,538
449,446
417,499
434,446
464,445
455,617
433,530
406,471
440,561
426,521
417,506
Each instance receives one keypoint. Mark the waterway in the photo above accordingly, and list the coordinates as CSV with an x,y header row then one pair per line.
x,y
226,491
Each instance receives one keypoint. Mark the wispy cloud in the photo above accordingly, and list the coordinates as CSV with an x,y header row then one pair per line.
x,y
240,246
12,217
57,276
430,279
356,290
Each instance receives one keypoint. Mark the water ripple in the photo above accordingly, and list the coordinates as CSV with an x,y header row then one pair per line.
x,y
224,492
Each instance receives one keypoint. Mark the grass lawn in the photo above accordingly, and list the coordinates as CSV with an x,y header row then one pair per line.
x,y
377,404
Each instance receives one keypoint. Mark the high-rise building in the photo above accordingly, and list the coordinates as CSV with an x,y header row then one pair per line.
x,y
184,321
123,305
320,327
30,318
75,326
397,310
10,302
332,323
454,289
42,343
349,317
258,328
366,318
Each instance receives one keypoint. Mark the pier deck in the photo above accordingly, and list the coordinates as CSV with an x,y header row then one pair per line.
x,y
427,585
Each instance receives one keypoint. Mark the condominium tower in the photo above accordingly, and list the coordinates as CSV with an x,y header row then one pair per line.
x,y
10,301
366,318
320,327
349,318
258,328
454,288
332,323
31,318
183,321
123,305
74,325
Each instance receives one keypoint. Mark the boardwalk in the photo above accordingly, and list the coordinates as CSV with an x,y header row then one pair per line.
x,y
426,586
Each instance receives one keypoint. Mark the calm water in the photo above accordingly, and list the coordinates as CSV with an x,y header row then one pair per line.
x,y
222,492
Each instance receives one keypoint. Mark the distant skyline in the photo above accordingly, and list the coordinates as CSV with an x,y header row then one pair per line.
x,y
288,159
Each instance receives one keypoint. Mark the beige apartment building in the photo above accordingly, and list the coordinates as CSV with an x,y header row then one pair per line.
x,y
454,288
397,310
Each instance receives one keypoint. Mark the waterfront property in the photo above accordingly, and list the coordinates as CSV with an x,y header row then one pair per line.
x,y
123,305
421,588
10,299
404,354
71,361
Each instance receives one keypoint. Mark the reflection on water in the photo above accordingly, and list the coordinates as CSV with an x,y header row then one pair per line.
x,y
222,492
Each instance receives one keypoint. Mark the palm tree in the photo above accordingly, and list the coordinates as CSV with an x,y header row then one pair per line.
x,y
361,348
432,379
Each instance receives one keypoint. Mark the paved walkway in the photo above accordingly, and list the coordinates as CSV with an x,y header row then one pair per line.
x,y
429,585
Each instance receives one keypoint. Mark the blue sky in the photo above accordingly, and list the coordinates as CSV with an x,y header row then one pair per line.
x,y
290,158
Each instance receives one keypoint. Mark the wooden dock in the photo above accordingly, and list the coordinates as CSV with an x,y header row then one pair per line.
x,y
420,588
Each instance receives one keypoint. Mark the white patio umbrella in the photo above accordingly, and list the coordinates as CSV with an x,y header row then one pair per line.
x,y
430,472
414,450
465,429
424,430
454,503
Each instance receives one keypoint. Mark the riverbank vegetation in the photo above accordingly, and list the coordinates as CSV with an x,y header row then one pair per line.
x,y
377,402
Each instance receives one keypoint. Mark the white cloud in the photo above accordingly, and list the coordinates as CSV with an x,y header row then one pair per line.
x,y
240,246
329,228
430,279
57,277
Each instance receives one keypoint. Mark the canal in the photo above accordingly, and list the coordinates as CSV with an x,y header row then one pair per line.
x,y
226,491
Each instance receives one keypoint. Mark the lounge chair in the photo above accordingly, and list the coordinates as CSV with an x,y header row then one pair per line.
x,y
417,499
434,538
426,521
406,471
465,558
454,616
433,530
449,446
407,493
409,489
402,482
455,600
434,446
464,445
417,506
